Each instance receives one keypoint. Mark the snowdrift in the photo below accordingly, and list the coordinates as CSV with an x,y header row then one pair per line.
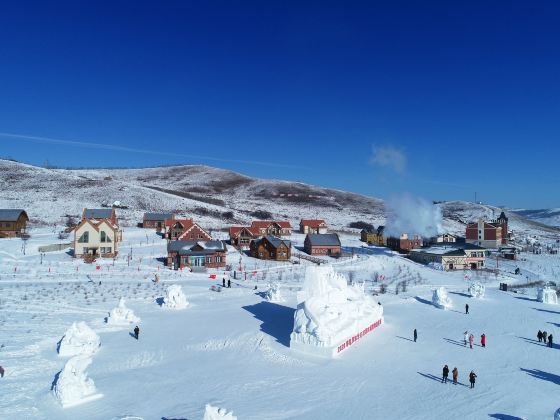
x,y
440,299
331,316
174,298
477,290
79,339
73,387
557,415
215,413
121,315
547,295
273,293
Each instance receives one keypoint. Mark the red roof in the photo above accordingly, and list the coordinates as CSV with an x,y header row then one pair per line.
x,y
312,223
187,223
234,230
259,224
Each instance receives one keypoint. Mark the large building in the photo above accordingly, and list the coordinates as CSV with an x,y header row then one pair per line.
x,y
96,238
196,254
13,223
404,243
491,234
325,244
374,236
451,256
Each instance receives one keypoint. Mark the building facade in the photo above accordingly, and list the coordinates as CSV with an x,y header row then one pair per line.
x,y
96,238
404,243
13,223
196,254
484,234
271,248
451,256
313,226
156,220
185,230
323,244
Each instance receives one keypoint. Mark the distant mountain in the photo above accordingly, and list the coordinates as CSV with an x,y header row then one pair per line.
x,y
217,198
549,217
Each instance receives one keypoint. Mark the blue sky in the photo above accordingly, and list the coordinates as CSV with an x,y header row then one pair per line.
x,y
439,99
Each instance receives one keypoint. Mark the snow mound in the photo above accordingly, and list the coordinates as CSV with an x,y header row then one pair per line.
x,y
79,339
215,413
331,315
73,387
547,295
273,293
174,298
557,415
477,290
121,315
440,299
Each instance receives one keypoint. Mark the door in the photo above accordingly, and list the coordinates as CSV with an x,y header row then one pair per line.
x,y
197,261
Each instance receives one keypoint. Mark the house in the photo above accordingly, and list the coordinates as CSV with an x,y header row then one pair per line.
x,y
312,226
156,220
13,223
445,238
199,254
241,236
100,214
451,256
185,230
404,243
322,244
96,238
374,236
271,248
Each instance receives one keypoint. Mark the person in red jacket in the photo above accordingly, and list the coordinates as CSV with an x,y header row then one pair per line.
x,y
483,340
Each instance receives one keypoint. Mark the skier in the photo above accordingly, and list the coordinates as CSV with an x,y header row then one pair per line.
x,y
471,340
466,337
223,282
415,335
1,372
455,373
445,374
544,337
229,284
472,378
136,332
467,308
539,336
483,340
550,341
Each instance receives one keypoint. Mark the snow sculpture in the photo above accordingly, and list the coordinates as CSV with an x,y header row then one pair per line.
x,y
215,413
121,315
79,339
440,299
273,293
547,295
477,290
557,415
331,316
73,387
174,298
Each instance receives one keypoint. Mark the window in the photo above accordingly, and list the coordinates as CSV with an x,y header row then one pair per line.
x,y
272,254
105,250
218,259
104,237
209,260
84,239
199,236
260,254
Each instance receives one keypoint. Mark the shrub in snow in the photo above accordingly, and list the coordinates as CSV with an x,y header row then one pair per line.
x,y
440,299
215,413
331,315
547,295
79,339
73,387
174,298
121,315
477,289
273,293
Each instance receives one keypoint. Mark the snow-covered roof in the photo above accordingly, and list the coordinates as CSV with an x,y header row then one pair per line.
x,y
327,239
11,215
186,247
448,248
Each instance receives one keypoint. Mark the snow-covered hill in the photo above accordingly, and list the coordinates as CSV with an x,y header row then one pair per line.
x,y
549,217
215,197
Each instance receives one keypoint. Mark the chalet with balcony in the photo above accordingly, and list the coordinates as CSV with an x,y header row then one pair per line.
x,y
271,248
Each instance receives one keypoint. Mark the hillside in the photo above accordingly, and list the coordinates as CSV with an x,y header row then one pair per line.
x,y
215,197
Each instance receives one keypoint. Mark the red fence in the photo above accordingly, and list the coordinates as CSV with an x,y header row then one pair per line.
x,y
361,334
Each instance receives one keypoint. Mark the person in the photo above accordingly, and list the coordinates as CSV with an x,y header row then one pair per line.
x,y
229,283
483,340
539,336
445,374
467,308
471,340
455,375
466,337
550,340
472,378
544,337
415,335
223,282
1,372
136,332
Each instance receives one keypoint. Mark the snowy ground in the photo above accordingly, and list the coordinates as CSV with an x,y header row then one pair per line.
x,y
230,349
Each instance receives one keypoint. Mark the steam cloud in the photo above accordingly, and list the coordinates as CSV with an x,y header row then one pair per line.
x,y
412,215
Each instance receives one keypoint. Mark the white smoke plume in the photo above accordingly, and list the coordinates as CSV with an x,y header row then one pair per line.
x,y
412,215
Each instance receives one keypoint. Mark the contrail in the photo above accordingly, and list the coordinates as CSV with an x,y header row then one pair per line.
x,y
91,145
